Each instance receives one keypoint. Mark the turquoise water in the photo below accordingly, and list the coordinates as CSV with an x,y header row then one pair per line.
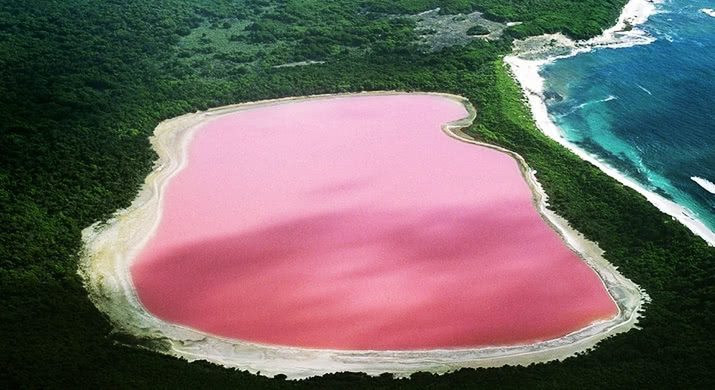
x,y
648,110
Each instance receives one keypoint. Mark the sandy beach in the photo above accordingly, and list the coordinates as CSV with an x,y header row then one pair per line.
x,y
531,54
110,248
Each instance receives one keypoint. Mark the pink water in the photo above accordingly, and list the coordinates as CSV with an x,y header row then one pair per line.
x,y
356,223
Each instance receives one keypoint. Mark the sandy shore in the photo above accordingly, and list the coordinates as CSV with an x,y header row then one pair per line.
x,y
109,249
531,54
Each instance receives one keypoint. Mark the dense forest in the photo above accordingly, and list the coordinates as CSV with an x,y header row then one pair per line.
x,y
84,83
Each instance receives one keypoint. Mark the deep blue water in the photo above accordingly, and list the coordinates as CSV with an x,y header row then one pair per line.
x,y
648,111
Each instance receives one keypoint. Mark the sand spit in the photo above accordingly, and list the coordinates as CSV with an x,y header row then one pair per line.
x,y
110,247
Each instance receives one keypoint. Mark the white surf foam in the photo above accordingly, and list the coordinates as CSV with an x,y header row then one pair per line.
x,y
588,103
624,34
644,89
705,183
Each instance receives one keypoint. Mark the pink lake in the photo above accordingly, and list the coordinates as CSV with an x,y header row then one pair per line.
x,y
357,223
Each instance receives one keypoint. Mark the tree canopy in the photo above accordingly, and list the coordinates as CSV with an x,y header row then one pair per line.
x,y
84,83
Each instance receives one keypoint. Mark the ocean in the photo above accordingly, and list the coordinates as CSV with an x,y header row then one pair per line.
x,y
648,111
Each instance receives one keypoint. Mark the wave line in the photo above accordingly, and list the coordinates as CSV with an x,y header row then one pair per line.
x,y
705,183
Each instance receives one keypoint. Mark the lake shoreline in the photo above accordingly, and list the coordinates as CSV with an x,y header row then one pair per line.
x,y
110,248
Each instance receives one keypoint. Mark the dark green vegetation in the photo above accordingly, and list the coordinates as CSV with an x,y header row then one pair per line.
x,y
83,83
478,30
